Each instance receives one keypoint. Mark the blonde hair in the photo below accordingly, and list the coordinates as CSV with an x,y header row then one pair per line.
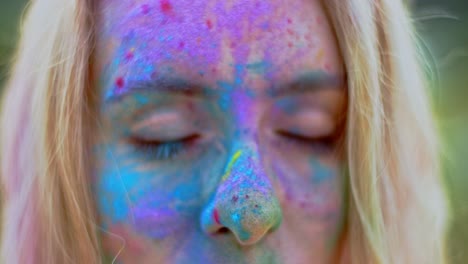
x,y
397,210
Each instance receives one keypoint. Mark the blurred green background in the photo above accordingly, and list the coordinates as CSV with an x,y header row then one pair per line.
x,y
443,28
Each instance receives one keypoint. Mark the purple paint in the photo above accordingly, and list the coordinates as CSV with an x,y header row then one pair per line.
x,y
145,9
181,45
209,24
129,55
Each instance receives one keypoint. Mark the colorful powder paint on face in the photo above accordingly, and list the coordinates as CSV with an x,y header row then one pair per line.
x,y
233,160
209,24
163,200
166,6
320,172
119,84
145,9
129,54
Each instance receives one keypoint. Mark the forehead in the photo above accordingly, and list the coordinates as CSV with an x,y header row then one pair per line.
x,y
208,41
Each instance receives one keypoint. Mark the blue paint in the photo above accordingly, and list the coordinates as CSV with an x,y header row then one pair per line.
x,y
320,173
260,67
287,105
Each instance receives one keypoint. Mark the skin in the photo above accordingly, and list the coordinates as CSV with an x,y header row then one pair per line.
x,y
220,126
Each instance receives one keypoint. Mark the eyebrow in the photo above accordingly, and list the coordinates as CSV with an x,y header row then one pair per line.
x,y
312,81
308,82
162,85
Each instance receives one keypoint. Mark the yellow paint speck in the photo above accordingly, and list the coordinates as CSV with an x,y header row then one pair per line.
x,y
234,158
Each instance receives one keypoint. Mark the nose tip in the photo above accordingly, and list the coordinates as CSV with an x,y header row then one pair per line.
x,y
248,216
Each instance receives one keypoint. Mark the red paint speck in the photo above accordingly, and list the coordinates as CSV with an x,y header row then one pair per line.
x,y
216,216
119,82
145,9
290,32
246,196
289,21
290,44
209,24
327,67
166,6
235,198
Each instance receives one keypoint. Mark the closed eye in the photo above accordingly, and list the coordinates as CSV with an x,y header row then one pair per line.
x,y
321,144
162,149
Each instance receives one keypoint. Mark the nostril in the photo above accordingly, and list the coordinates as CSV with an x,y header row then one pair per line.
x,y
223,230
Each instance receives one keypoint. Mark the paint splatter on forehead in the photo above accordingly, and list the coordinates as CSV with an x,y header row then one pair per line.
x,y
213,40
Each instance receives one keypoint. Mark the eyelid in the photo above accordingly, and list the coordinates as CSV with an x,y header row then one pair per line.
x,y
156,120
309,123
167,126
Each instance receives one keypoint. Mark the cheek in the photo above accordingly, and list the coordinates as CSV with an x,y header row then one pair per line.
x,y
157,202
312,199
312,188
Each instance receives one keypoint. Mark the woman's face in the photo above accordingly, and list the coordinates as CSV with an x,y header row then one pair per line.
x,y
220,122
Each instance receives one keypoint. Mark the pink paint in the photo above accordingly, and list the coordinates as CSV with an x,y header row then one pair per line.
x,y
289,21
319,21
209,24
145,9
216,216
181,45
129,55
166,6
119,82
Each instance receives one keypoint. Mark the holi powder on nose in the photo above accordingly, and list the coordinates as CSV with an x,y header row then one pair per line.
x,y
216,216
129,55
119,84
230,164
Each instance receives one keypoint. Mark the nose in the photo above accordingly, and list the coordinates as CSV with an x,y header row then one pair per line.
x,y
244,204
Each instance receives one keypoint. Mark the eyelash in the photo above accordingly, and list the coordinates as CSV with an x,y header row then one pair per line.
x,y
167,150
322,145
162,150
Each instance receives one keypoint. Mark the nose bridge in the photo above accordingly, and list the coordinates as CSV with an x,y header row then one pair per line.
x,y
244,172
244,202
